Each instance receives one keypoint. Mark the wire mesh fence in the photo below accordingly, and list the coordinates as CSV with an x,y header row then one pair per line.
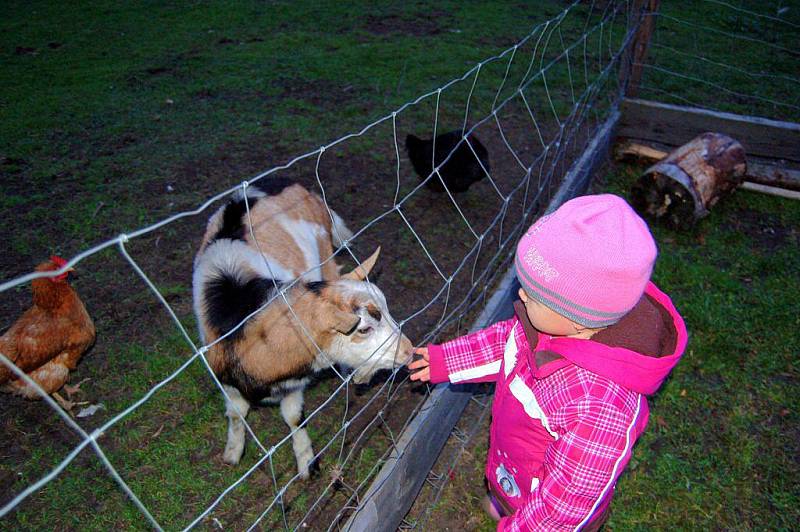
x,y
533,106
684,68
689,62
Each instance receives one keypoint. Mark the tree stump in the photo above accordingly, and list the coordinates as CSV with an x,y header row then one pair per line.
x,y
681,188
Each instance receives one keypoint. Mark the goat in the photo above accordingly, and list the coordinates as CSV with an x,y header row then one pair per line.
x,y
330,318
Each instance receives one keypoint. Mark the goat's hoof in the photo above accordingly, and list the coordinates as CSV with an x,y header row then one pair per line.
x,y
309,470
313,468
231,456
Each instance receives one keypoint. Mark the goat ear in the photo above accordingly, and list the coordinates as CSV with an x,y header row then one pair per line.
x,y
361,271
344,322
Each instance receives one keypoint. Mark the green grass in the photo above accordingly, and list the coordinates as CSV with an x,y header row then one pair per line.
x,y
724,428
113,116
102,99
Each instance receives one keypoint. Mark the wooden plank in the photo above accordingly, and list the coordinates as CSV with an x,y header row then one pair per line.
x,y
675,125
398,483
773,176
772,191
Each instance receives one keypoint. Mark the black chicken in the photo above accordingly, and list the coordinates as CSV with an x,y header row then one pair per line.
x,y
459,172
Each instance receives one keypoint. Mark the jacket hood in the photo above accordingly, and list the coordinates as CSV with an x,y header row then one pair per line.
x,y
638,352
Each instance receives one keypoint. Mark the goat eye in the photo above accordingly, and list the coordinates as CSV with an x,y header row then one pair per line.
x,y
365,330
374,312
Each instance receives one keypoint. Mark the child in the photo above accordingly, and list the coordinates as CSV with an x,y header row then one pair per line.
x,y
591,337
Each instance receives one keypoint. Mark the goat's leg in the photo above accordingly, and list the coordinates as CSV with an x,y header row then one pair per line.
x,y
292,412
234,406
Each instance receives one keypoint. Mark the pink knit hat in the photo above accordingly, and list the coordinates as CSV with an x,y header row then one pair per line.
x,y
589,260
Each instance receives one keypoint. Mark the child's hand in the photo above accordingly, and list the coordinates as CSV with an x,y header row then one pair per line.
x,y
421,362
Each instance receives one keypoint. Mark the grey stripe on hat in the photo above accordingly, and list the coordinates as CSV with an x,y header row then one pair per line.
x,y
560,303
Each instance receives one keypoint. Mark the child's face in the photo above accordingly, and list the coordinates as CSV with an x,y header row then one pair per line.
x,y
546,320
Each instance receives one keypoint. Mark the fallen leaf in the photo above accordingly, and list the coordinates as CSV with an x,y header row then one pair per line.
x,y
90,410
683,393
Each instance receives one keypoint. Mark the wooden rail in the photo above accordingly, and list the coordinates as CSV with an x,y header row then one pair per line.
x,y
675,125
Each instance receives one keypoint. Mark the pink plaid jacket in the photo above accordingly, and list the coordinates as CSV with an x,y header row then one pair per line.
x,y
566,412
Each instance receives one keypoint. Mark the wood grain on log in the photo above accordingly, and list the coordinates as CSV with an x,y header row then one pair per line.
x,y
681,188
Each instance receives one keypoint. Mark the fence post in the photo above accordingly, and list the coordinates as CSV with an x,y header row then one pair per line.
x,y
645,11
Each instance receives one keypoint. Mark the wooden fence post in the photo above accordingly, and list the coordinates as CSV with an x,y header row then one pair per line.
x,y
647,11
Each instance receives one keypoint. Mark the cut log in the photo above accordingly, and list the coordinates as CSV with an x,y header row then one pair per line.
x,y
681,188
777,175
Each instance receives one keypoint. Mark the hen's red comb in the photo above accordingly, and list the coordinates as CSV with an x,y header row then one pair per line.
x,y
58,261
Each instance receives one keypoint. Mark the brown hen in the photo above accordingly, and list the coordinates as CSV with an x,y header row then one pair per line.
x,y
49,338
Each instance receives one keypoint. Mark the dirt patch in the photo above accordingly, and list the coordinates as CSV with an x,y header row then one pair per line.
x,y
767,232
319,92
423,24
451,497
227,41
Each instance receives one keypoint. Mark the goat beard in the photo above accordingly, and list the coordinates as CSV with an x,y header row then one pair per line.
x,y
364,373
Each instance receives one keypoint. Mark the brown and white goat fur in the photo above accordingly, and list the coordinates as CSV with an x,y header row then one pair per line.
x,y
333,319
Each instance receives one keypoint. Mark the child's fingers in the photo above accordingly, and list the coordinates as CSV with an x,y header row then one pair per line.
x,y
421,363
418,364
423,375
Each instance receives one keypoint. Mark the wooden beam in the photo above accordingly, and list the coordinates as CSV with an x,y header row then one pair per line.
x,y
675,125
773,176
647,10
772,191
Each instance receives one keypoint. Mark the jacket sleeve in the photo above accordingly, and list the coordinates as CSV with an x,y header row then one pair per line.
x,y
475,357
580,469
